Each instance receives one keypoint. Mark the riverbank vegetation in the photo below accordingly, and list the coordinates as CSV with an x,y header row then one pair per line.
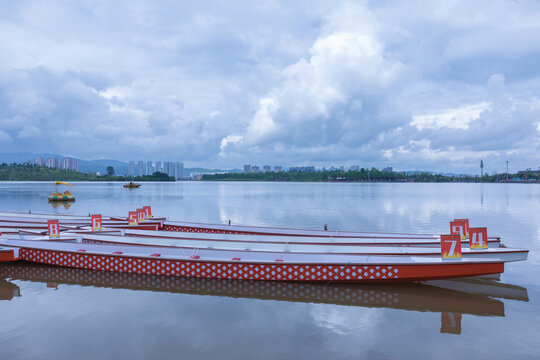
x,y
366,175
20,172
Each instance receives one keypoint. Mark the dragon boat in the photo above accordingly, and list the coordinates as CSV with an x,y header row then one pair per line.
x,y
93,242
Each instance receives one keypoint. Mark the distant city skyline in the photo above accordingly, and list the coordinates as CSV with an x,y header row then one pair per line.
x,y
145,167
66,163
411,85
141,168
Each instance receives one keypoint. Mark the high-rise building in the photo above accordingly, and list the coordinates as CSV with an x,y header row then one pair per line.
x,y
167,168
149,170
39,161
277,168
266,168
178,170
247,169
255,169
131,168
158,166
140,168
69,164
53,163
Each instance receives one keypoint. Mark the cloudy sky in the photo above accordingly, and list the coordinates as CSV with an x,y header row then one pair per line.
x,y
411,84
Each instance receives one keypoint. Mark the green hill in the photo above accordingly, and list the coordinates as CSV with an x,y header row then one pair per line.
x,y
19,172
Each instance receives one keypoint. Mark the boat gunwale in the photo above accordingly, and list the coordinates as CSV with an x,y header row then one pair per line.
x,y
432,256
443,262
481,251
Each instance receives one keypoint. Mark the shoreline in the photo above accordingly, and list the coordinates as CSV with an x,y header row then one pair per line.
x,y
273,181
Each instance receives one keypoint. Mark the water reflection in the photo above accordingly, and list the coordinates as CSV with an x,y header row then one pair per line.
x,y
303,322
452,298
57,204
8,290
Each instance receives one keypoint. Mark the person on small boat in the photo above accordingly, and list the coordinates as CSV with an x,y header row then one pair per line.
x,y
66,193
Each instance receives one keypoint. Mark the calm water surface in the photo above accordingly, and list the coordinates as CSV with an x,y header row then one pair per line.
x,y
50,312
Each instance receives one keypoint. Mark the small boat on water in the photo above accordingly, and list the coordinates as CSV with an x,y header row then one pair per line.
x,y
65,197
57,196
132,185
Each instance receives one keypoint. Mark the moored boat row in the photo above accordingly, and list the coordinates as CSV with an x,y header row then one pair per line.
x,y
126,245
209,231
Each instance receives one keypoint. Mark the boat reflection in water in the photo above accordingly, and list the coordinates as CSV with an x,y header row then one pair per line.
x,y
8,290
452,298
58,203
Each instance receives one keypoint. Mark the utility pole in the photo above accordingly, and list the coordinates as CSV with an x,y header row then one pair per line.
x,y
481,168
507,170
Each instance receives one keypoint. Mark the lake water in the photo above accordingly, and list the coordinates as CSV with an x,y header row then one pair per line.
x,y
58,313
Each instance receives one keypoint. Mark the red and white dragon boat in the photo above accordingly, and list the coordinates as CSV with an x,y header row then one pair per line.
x,y
261,254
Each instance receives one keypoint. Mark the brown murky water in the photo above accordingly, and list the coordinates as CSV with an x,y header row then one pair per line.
x,y
60,313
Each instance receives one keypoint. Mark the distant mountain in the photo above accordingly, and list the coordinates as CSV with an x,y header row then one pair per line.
x,y
188,171
91,166
19,158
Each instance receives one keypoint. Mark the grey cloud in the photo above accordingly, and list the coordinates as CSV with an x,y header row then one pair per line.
x,y
222,84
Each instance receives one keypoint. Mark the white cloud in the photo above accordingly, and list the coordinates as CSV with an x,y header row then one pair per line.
x,y
345,320
457,118
342,83
345,71
230,139
263,123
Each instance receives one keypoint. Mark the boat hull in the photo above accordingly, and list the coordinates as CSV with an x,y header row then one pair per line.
x,y
356,273
8,255
61,198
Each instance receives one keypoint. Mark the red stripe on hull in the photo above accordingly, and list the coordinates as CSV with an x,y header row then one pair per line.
x,y
245,271
207,231
7,256
134,227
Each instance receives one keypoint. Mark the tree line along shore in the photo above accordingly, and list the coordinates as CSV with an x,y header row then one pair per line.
x,y
20,172
367,175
